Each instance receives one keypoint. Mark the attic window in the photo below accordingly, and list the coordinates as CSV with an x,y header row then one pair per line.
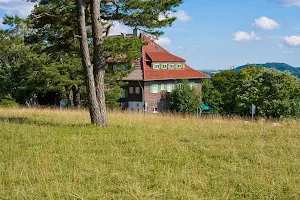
x,y
179,66
157,66
165,66
172,66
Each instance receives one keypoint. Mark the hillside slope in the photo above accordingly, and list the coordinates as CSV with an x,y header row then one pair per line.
x,y
279,66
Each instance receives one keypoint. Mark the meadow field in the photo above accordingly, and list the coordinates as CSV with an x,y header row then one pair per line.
x,y
52,154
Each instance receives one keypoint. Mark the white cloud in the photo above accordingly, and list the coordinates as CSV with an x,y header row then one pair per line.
x,y
18,7
119,28
181,15
293,41
163,41
266,23
280,45
241,36
290,2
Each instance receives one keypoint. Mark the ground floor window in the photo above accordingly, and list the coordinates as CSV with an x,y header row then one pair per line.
x,y
137,90
154,88
130,90
169,88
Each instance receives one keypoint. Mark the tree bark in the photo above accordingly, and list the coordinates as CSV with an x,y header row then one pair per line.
x,y
94,108
76,96
99,59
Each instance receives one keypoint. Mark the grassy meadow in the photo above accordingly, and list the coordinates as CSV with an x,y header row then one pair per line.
x,y
49,154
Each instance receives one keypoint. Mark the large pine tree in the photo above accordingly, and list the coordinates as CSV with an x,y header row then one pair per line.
x,y
55,24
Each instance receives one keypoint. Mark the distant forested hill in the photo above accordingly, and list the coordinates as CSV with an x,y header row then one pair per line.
x,y
279,66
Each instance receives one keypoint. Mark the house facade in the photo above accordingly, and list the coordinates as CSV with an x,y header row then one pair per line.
x,y
156,73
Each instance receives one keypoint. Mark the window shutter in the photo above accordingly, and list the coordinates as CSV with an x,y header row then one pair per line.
x,y
151,88
152,65
159,88
176,66
161,66
183,66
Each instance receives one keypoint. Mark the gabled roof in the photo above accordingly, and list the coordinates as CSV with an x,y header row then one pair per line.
x,y
164,57
155,53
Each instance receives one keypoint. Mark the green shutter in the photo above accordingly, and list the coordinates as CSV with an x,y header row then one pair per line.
x,y
159,87
126,93
176,66
161,66
162,86
152,65
183,66
151,88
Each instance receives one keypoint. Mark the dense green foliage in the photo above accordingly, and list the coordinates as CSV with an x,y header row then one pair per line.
x,y
279,66
274,93
184,98
41,54
211,96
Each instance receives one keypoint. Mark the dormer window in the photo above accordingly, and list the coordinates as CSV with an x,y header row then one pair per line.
x,y
157,66
172,66
179,66
165,66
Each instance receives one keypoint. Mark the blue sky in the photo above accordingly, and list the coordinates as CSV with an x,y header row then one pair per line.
x,y
217,34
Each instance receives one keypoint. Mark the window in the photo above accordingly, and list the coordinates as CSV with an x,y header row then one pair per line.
x,y
137,90
162,87
169,88
172,66
123,94
179,66
154,88
165,66
157,66
130,90
192,85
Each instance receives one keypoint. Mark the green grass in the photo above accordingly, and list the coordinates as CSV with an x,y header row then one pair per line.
x,y
48,154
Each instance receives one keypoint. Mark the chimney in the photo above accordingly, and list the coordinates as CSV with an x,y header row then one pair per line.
x,y
136,33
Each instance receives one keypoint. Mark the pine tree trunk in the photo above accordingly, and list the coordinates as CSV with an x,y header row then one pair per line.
x,y
76,96
88,68
99,59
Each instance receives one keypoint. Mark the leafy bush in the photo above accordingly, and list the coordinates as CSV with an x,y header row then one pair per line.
x,y
8,103
184,98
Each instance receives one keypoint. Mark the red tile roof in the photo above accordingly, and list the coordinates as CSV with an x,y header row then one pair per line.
x,y
157,53
164,57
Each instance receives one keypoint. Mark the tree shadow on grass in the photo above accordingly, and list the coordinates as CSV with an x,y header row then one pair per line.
x,y
25,120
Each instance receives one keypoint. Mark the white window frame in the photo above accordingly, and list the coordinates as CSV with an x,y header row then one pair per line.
x,y
169,88
131,91
179,66
137,90
156,87
192,85
172,66
156,66
165,66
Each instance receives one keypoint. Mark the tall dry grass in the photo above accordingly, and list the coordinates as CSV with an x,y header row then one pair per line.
x,y
52,154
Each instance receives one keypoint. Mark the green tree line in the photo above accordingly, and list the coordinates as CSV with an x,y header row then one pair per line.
x,y
274,93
